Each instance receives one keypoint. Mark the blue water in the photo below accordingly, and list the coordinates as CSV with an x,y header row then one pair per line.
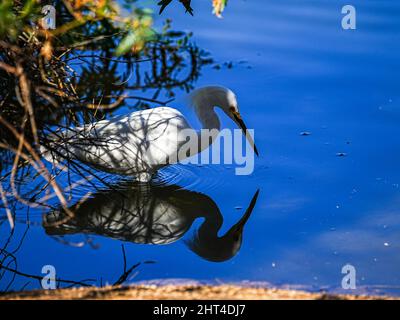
x,y
294,70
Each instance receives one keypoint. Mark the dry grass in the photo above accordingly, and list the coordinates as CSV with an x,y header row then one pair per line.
x,y
181,292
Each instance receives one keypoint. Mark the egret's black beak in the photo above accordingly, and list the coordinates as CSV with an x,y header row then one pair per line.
x,y
240,123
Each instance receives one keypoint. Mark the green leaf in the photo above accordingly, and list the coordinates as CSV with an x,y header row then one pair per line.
x,y
126,43
28,8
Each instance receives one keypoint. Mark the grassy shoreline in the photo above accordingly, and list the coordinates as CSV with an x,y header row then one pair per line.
x,y
184,292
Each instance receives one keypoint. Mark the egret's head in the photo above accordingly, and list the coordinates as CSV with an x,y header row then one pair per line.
x,y
206,98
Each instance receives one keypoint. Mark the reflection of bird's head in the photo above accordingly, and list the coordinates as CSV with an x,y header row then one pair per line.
x,y
206,243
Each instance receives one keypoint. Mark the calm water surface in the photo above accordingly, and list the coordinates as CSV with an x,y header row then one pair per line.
x,y
294,70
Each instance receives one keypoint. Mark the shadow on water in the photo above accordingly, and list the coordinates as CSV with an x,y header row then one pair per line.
x,y
156,215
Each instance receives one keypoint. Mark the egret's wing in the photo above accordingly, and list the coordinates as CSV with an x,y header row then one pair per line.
x,y
141,142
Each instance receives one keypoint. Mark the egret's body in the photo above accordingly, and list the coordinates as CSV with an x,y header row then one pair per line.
x,y
144,141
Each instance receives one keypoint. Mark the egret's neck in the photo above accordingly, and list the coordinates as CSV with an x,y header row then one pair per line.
x,y
210,227
210,127
208,118
204,100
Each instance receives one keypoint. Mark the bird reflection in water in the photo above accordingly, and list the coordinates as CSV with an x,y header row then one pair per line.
x,y
153,215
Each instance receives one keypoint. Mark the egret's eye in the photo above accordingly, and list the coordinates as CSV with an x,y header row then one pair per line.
x,y
235,113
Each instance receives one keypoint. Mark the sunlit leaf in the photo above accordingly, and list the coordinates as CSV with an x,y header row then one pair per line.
x,y
218,7
126,44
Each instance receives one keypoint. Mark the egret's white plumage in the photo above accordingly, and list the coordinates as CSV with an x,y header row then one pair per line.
x,y
144,141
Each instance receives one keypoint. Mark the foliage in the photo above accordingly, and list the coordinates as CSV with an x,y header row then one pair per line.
x,y
102,56
219,6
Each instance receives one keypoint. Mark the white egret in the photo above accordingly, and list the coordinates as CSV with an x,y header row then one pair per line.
x,y
144,141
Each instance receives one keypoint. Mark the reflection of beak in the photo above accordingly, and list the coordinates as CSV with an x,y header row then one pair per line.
x,y
240,224
240,123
